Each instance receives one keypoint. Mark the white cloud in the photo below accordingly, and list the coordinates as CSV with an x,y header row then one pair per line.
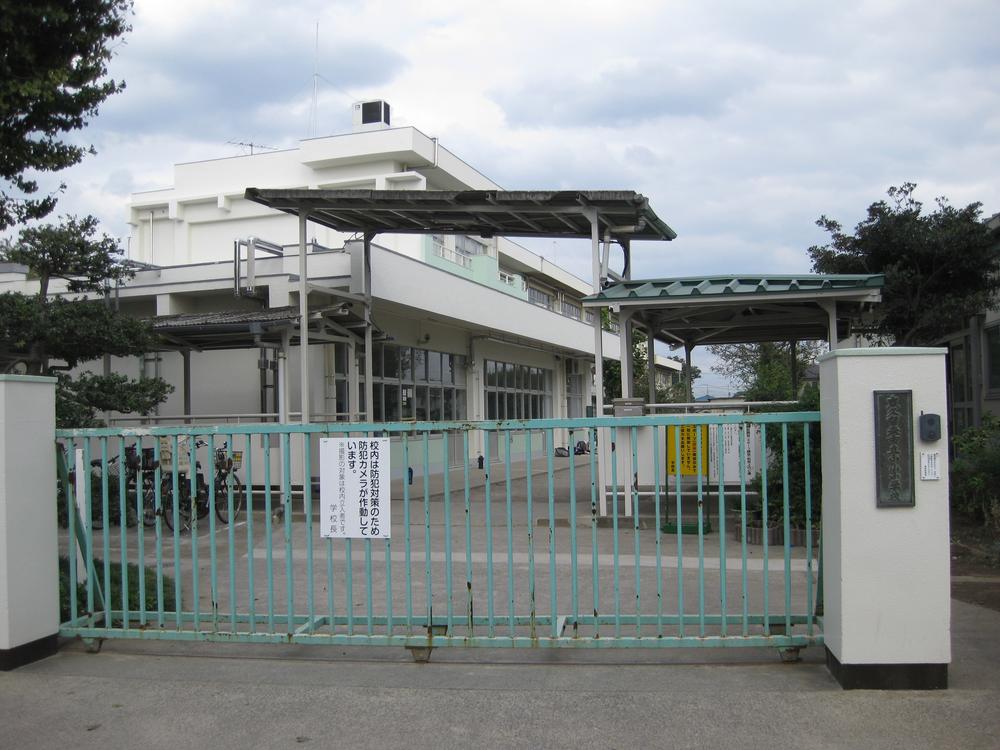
x,y
741,122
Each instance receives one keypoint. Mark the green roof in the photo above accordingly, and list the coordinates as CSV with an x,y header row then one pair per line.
x,y
708,286
740,309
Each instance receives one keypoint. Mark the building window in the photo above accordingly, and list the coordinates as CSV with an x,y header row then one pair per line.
x,y
570,310
470,245
993,361
517,391
540,298
417,384
336,405
440,249
575,370
590,316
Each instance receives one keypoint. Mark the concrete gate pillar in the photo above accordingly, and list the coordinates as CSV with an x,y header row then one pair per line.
x,y
886,561
29,573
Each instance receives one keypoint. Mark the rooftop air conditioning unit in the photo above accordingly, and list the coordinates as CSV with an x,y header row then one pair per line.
x,y
373,115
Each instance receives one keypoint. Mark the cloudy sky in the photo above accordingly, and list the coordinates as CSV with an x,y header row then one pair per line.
x,y
742,122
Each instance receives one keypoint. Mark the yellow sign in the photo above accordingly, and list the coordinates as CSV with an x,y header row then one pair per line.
x,y
687,451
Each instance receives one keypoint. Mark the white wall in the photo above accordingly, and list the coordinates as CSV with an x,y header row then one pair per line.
x,y
886,570
29,577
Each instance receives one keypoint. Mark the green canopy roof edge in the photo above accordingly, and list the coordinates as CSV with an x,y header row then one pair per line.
x,y
730,285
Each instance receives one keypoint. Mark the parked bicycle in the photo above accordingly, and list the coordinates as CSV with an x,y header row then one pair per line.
x,y
225,481
137,476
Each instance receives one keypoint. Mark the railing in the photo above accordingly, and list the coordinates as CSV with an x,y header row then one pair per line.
x,y
728,407
516,554
450,255
245,418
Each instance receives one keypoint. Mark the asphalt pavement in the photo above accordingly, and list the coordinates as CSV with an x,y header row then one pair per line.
x,y
196,695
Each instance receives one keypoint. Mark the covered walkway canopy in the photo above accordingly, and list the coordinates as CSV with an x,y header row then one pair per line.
x,y
694,311
275,328
606,216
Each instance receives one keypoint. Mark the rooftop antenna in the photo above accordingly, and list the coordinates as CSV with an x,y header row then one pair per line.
x,y
251,145
314,106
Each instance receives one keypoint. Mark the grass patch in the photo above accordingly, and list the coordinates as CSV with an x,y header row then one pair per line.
x,y
115,595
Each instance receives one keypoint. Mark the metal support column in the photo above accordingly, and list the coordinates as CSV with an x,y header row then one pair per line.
x,y
688,348
793,363
286,344
625,353
304,319
651,364
976,371
186,356
831,311
353,396
369,386
595,251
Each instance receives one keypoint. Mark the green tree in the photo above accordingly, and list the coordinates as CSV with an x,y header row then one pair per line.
x,y
940,268
35,330
763,370
53,68
640,375
677,392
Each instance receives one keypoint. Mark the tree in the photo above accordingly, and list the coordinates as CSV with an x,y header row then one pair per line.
x,y
763,370
678,391
941,268
37,329
53,68
640,373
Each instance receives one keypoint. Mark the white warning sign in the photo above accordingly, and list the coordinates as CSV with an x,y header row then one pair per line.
x,y
354,488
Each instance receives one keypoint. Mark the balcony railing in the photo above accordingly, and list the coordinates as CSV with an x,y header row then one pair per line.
x,y
450,255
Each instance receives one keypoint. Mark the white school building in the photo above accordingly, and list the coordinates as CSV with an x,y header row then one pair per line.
x,y
463,326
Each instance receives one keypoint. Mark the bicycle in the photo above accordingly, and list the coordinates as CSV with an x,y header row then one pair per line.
x,y
135,476
225,481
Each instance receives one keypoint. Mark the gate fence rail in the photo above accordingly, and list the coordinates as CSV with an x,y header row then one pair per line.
x,y
516,554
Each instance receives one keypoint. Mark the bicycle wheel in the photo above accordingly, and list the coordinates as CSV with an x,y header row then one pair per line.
x,y
222,497
148,506
183,505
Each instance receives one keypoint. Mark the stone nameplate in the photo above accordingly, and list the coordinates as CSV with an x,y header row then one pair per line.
x,y
894,483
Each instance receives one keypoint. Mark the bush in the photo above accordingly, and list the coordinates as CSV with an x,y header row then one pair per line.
x,y
97,503
115,597
809,401
975,474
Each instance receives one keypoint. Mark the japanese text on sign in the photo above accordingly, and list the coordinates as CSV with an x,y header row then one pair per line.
x,y
354,488
687,451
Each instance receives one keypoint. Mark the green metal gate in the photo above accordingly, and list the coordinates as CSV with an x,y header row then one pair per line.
x,y
515,553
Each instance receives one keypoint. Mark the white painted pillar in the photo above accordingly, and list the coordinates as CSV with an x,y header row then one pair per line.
x,y
369,353
625,354
595,260
29,574
651,366
304,320
831,314
886,570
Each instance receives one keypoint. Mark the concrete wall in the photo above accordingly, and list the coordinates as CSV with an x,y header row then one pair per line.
x,y
886,569
29,577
